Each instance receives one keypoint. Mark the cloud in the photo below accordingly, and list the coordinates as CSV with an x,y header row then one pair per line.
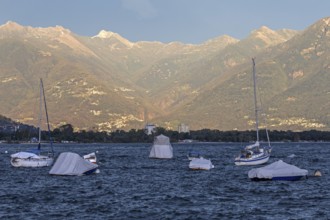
x,y
143,8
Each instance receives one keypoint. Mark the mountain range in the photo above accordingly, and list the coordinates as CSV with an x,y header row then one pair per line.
x,y
107,82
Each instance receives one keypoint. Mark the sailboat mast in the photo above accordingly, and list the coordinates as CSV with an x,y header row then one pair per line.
x,y
39,117
255,97
43,92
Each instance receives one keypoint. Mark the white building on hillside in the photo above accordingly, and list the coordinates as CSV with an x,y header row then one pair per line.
x,y
150,128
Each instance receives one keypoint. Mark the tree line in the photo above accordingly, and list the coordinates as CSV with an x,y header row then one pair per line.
x,y
66,133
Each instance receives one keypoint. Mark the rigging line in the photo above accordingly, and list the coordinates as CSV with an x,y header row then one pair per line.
x,y
34,115
50,138
264,118
40,117
255,97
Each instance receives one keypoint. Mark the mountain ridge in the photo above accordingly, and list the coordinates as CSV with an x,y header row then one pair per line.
x,y
106,82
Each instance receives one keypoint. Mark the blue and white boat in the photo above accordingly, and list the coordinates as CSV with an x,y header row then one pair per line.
x,y
278,170
255,154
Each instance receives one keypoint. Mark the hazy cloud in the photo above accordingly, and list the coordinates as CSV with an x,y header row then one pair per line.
x,y
143,8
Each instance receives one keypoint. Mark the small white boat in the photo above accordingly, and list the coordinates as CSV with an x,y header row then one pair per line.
x,y
91,157
35,157
72,164
200,164
254,154
28,159
278,170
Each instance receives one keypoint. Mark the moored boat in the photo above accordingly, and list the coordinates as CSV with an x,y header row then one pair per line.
x,y
36,157
91,157
161,148
200,164
256,153
72,164
253,155
278,170
29,159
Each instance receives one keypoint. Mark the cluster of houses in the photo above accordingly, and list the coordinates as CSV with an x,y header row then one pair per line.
x,y
9,128
151,128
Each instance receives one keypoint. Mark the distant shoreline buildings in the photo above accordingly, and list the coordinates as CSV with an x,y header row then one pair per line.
x,y
183,128
9,128
150,129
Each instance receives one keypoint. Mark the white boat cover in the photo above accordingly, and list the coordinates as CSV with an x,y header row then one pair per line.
x,y
200,164
276,169
69,163
161,148
24,155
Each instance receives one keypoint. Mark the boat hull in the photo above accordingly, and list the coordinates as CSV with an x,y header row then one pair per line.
x,y
92,171
32,162
251,161
279,178
288,178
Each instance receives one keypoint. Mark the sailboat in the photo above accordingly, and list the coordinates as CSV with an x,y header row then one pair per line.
x,y
255,154
35,157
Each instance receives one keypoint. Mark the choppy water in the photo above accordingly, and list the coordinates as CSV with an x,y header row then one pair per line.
x,y
132,186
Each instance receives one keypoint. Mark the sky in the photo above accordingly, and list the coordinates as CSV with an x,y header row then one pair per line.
x,y
187,21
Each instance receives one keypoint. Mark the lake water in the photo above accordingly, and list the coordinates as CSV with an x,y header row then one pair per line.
x,y
132,186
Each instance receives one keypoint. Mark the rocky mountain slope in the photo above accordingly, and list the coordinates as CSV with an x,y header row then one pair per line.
x,y
106,82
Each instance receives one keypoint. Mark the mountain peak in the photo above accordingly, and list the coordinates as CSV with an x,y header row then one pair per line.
x,y
322,23
271,37
61,29
326,20
106,34
219,43
103,34
11,25
263,30
223,38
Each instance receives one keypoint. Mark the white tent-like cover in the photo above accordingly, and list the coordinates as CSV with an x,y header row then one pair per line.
x,y
161,148
200,164
278,170
72,164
